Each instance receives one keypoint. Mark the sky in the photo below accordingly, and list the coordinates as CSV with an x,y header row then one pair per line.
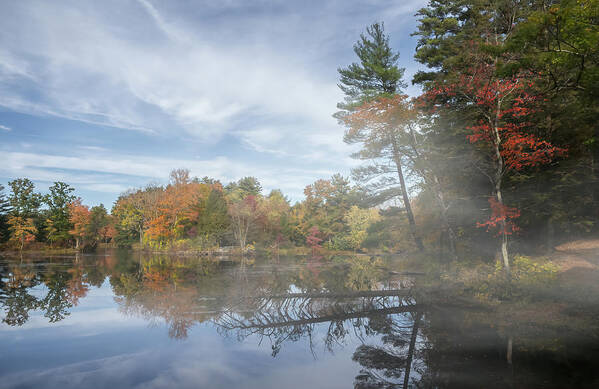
x,y
114,94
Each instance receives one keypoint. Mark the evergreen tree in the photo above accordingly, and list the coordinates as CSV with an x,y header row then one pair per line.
x,y
375,77
377,72
4,212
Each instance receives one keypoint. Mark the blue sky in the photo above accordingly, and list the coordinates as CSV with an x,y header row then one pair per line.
x,y
109,95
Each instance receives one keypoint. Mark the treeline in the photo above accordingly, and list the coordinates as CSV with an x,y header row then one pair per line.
x,y
203,213
57,219
191,213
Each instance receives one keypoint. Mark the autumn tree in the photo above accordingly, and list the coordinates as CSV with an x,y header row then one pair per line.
x,y
503,133
79,217
22,230
274,218
179,177
175,211
135,208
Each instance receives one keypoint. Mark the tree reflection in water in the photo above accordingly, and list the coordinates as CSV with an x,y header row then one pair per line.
x,y
402,336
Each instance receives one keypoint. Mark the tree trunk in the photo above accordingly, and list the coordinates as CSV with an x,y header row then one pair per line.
x,y
504,238
141,236
498,181
406,199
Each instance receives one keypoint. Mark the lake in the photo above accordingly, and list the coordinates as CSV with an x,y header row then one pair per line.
x,y
122,319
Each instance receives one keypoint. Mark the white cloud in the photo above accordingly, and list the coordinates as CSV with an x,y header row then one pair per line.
x,y
112,173
5,128
96,75
263,73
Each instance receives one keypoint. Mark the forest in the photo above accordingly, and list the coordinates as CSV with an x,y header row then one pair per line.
x,y
498,156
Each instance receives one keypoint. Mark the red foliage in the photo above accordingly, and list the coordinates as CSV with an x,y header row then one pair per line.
x,y
503,105
502,217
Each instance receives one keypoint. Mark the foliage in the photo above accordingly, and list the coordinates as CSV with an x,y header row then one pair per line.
x,y
313,240
79,216
359,221
378,118
57,221
528,278
22,230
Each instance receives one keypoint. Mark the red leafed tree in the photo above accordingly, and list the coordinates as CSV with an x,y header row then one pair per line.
x,y
79,216
504,133
313,240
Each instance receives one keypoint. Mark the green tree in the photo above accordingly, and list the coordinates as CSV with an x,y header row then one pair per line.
x,y
359,221
246,186
559,42
376,73
325,206
4,212
58,200
213,218
98,221
275,220
23,199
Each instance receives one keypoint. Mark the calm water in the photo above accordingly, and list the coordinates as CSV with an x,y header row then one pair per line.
x,y
120,320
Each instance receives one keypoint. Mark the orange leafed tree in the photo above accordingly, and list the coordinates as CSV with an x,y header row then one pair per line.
x,y
22,230
383,127
79,216
175,210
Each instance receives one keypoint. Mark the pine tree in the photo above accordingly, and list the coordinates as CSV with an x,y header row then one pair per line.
x,y
376,76
4,211
377,72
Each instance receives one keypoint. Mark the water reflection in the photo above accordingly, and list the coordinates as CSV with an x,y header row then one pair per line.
x,y
398,334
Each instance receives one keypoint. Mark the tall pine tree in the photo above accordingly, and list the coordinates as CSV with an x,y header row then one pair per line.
x,y
376,75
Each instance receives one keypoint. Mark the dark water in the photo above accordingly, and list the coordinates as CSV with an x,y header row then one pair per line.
x,y
123,320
